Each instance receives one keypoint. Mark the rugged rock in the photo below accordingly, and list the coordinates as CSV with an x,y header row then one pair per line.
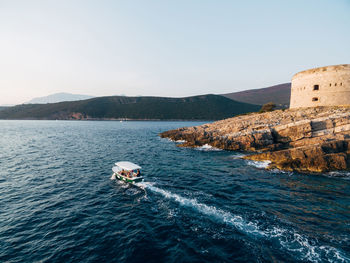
x,y
304,140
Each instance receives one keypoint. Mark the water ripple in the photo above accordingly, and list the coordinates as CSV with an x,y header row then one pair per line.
x,y
58,205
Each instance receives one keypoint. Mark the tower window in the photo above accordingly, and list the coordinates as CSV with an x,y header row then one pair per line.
x,y
341,83
335,84
315,99
316,87
330,84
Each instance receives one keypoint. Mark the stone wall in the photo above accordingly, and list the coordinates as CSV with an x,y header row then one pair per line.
x,y
325,86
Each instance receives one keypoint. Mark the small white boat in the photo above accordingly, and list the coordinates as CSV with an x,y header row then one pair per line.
x,y
127,171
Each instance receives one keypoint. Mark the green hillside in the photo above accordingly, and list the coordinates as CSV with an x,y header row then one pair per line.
x,y
279,94
205,107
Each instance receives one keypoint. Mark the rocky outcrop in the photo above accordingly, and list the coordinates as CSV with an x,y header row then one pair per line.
x,y
304,140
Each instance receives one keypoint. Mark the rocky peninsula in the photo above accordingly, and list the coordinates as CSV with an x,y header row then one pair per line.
x,y
303,139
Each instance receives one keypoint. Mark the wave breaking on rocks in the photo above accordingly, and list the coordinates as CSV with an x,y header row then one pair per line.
x,y
303,140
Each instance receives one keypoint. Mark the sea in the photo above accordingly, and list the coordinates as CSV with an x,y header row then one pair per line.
x,y
58,203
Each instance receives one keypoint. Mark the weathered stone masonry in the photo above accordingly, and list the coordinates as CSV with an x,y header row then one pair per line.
x,y
324,86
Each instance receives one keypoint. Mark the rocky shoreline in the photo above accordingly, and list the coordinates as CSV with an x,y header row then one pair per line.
x,y
303,140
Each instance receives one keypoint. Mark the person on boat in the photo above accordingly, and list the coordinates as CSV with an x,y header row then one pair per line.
x,y
138,173
122,172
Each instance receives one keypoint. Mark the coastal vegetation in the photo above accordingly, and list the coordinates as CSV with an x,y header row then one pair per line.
x,y
270,106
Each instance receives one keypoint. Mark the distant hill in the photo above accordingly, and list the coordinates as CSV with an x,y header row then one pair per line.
x,y
279,94
3,107
205,107
58,97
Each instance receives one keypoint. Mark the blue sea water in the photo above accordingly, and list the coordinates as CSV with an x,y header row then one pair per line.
x,y
58,204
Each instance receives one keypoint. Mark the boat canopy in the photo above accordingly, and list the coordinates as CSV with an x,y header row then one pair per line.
x,y
127,166
116,169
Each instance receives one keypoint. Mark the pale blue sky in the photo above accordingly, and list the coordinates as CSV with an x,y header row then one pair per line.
x,y
164,48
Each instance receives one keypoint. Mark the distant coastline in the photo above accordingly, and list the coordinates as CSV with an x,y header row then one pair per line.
x,y
117,120
203,107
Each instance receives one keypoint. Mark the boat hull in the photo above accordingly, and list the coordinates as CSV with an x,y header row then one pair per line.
x,y
128,180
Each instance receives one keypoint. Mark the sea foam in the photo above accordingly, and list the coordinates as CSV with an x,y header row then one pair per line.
x,y
341,174
207,147
259,164
238,155
288,239
177,141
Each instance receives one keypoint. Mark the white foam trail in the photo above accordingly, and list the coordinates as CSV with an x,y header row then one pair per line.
x,y
177,141
207,147
226,217
259,164
341,174
296,243
238,155
288,239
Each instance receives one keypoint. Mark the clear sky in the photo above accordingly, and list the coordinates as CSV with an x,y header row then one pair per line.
x,y
164,48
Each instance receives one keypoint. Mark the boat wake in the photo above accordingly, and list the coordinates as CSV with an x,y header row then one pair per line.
x,y
289,240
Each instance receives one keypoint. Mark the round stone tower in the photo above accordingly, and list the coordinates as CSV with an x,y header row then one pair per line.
x,y
325,86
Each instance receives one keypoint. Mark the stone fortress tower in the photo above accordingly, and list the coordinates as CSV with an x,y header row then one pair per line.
x,y
325,86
